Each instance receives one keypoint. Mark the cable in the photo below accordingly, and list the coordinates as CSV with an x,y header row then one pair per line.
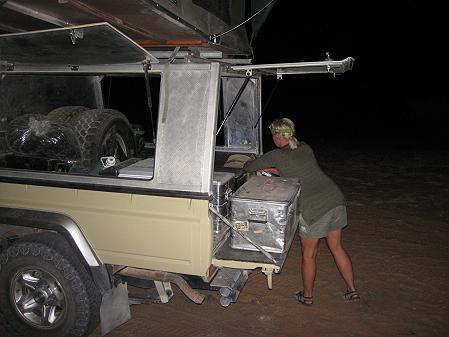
x,y
214,37
267,104
234,102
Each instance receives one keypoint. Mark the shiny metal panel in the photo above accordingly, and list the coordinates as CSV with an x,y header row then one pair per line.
x,y
186,124
16,7
128,68
152,22
239,132
72,46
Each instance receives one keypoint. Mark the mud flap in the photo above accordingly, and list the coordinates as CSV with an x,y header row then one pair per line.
x,y
114,310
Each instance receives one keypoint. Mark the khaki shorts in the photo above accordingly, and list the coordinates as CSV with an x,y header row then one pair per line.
x,y
336,218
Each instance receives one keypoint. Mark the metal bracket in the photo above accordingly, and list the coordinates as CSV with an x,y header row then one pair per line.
x,y
173,54
241,226
6,66
146,65
215,39
76,34
269,273
328,67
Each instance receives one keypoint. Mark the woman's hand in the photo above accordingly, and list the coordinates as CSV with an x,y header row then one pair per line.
x,y
272,170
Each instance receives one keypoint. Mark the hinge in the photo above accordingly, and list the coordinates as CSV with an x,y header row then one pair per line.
x,y
76,34
6,66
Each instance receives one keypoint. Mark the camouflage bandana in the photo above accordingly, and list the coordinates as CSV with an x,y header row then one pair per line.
x,y
283,131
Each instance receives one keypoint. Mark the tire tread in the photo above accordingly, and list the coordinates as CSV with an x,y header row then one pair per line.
x,y
53,249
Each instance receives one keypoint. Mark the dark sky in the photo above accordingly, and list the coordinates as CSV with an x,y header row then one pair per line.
x,y
398,88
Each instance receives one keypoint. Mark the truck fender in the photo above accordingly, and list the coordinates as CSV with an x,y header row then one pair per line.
x,y
65,226
52,221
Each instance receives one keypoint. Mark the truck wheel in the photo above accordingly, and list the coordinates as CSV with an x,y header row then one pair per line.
x,y
45,290
66,114
104,132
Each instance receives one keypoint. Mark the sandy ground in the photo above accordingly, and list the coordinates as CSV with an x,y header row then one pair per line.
x,y
398,241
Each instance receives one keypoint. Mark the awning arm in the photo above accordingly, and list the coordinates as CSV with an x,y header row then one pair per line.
x,y
279,69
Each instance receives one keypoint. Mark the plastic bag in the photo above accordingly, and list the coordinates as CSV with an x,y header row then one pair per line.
x,y
36,136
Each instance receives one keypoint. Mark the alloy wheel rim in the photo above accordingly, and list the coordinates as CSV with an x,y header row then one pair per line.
x,y
114,145
38,297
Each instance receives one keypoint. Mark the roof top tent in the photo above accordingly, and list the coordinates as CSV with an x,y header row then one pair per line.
x,y
160,25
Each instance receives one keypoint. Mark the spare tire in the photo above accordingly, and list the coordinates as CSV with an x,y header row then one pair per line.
x,y
101,133
66,114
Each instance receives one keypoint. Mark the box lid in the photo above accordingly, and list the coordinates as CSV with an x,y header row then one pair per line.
x,y
93,44
222,177
274,189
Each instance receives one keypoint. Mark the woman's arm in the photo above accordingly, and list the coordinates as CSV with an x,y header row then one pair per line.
x,y
266,162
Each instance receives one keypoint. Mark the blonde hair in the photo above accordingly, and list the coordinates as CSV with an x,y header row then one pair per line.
x,y
286,128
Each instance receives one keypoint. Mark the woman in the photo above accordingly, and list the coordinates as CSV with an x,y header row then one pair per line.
x,y
322,205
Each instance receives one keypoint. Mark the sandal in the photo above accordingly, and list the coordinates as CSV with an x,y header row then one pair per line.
x,y
306,300
352,296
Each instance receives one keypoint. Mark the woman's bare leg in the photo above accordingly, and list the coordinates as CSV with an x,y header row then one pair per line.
x,y
309,248
341,258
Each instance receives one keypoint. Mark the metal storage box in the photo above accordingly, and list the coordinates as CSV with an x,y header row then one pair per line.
x,y
222,188
266,210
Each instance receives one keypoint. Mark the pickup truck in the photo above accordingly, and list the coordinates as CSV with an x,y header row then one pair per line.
x,y
113,173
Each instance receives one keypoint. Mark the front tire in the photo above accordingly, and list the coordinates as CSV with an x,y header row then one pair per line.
x,y
45,290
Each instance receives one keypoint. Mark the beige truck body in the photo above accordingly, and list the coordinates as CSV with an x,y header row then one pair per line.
x,y
143,231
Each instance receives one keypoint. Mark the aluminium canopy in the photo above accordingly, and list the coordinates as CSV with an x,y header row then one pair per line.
x,y
151,23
